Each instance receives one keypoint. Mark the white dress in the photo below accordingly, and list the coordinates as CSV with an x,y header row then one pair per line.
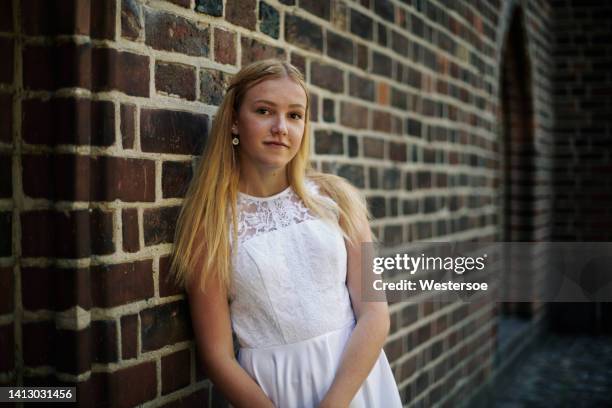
x,y
290,307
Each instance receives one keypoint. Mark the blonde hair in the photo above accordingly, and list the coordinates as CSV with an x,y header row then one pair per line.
x,y
202,247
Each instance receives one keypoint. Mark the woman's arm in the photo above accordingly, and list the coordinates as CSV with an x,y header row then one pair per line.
x,y
213,332
368,337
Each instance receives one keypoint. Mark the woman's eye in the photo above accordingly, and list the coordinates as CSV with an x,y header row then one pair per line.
x,y
296,116
262,111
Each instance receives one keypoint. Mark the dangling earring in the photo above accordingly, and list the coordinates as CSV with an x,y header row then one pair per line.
x,y
235,141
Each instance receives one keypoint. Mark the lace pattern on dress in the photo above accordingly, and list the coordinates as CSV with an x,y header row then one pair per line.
x,y
261,215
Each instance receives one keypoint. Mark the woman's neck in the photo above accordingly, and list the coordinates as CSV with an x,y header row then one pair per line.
x,y
263,183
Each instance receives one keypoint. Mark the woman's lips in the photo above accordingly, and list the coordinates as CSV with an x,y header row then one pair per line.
x,y
276,144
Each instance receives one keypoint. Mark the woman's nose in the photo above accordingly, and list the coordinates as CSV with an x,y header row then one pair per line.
x,y
280,125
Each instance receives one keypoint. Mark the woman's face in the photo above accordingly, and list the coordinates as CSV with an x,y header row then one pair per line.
x,y
270,123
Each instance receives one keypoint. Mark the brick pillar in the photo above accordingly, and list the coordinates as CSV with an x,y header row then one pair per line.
x,y
88,204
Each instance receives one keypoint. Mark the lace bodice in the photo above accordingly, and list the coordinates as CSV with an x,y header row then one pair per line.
x,y
289,272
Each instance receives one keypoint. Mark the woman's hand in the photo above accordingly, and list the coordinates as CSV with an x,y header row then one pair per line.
x,y
212,327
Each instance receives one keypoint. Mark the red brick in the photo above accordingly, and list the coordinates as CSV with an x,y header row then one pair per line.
x,y
164,131
6,118
159,224
373,147
225,46
37,352
6,222
68,65
253,50
73,351
397,152
241,12
7,345
167,285
213,84
168,32
354,116
122,71
381,121
129,219
303,33
128,125
327,76
52,17
77,234
299,61
59,121
132,21
175,371
6,290
104,341
318,8
6,18
6,56
165,324
54,288
175,178
129,336
127,387
6,176
87,178
102,19
175,79
118,284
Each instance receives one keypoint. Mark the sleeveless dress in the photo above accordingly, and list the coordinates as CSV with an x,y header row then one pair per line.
x,y
290,306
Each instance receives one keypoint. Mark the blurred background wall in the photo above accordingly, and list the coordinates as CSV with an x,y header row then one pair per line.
x,y
459,120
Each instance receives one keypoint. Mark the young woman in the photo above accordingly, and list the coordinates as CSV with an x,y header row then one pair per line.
x,y
271,249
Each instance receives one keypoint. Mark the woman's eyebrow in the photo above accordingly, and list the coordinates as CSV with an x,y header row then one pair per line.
x,y
293,105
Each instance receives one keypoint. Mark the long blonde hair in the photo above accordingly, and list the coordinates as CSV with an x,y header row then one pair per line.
x,y
202,237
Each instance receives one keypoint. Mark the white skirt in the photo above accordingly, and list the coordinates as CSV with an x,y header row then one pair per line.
x,y
298,375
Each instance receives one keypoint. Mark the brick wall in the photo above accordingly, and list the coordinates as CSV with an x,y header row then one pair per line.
x,y
583,142
105,104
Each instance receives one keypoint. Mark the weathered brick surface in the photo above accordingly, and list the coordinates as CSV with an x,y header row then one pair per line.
x,y
127,180
159,225
175,178
327,76
6,53
213,84
6,290
254,50
168,32
69,66
128,125
6,115
132,19
117,284
7,342
129,220
126,387
225,46
60,121
175,79
78,233
129,336
175,371
164,324
54,288
163,131
241,12
167,286
114,69
303,33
